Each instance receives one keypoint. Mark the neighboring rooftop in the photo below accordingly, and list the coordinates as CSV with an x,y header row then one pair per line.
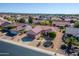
x,y
20,26
73,31
37,29
5,24
61,23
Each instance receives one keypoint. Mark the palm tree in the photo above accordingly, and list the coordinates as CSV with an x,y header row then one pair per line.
x,y
61,28
71,41
69,44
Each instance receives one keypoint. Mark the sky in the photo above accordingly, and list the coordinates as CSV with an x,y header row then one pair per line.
x,y
48,8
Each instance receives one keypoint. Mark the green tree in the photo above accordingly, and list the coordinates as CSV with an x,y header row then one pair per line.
x,y
33,25
22,20
30,20
52,34
72,21
69,44
71,40
9,18
62,28
22,31
43,22
47,23
76,24
50,21
1,28
10,27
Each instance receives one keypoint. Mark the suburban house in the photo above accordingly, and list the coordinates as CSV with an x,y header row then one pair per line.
x,y
4,24
1,22
67,19
2,19
17,28
20,26
35,32
36,21
72,31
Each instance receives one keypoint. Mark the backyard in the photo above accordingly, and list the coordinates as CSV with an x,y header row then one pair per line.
x,y
54,46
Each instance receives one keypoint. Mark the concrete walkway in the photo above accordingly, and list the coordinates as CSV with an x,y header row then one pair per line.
x,y
57,41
